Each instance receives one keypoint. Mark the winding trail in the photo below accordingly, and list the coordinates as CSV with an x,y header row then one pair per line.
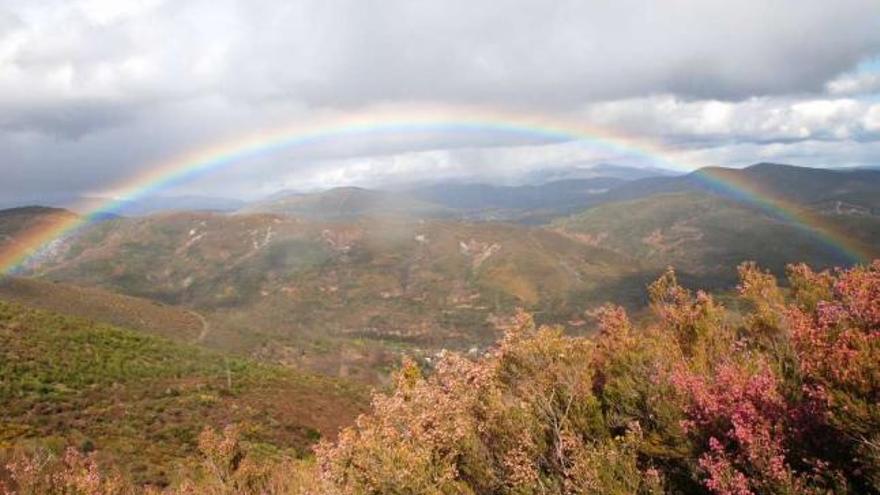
x,y
206,327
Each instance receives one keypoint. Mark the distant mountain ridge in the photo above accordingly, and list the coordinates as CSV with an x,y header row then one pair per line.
x,y
853,189
549,192
33,210
475,201
810,187
545,193
150,205
128,207
15,222
607,170
556,198
716,217
478,201
345,202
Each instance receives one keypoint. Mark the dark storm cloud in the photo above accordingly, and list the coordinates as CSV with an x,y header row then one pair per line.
x,y
69,120
550,53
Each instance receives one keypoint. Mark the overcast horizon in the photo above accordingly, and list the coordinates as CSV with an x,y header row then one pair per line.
x,y
95,92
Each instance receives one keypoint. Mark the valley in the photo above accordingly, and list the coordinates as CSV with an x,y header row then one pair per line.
x,y
345,282
284,315
339,297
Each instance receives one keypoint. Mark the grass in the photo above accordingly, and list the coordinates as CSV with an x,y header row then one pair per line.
x,y
144,399
135,313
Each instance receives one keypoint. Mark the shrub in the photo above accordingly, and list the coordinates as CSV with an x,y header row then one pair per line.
x,y
782,399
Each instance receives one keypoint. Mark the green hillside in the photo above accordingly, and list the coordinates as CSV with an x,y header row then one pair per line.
x,y
704,235
344,298
144,315
143,400
829,190
348,297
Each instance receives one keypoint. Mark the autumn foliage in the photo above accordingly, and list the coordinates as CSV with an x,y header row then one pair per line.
x,y
777,394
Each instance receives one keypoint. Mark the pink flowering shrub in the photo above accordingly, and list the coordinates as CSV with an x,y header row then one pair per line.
x,y
779,395
837,342
740,419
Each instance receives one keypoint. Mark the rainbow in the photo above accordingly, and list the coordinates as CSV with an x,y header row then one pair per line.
x,y
407,120
821,227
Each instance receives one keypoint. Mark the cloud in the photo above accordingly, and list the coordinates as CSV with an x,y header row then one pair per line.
x,y
515,52
105,89
71,120
871,120
538,53
855,84
510,164
756,120
828,154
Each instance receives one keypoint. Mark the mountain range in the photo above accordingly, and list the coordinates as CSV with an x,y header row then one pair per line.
x,y
299,277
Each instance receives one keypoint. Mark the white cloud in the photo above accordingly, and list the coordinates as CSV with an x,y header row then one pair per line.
x,y
509,164
855,84
832,154
754,120
872,118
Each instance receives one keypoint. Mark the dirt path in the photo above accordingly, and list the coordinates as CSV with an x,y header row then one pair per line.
x,y
206,327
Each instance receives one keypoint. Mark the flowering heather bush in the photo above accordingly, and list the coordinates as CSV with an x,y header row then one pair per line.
x,y
837,342
782,397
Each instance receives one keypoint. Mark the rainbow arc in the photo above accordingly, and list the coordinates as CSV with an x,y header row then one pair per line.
x,y
188,166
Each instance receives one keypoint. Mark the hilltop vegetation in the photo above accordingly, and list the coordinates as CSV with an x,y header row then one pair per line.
x,y
142,400
704,235
16,223
103,306
706,222
816,188
343,297
781,397
15,220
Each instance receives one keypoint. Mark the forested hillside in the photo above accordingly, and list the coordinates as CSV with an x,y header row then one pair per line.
x,y
777,392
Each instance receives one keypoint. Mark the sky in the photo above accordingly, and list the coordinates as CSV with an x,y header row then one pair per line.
x,y
95,92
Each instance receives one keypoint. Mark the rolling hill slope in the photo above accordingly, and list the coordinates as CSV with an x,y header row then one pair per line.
x,y
14,222
143,400
343,297
532,204
850,191
705,236
104,306
527,203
